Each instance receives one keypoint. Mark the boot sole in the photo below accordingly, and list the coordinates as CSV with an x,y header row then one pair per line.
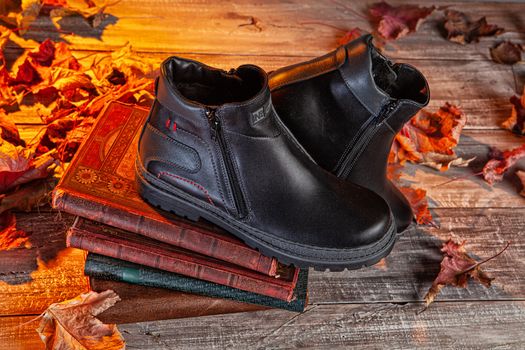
x,y
163,196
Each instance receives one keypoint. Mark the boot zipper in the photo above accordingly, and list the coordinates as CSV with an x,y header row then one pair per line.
x,y
217,135
363,139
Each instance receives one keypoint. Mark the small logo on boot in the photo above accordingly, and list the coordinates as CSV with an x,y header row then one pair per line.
x,y
261,113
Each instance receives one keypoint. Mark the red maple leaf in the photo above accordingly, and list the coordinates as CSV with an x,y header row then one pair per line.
x,y
457,267
45,54
26,75
417,197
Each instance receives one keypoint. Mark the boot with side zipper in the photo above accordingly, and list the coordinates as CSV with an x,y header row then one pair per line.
x,y
214,148
345,109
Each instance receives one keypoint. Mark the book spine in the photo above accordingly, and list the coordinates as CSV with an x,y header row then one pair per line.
x,y
183,236
178,263
107,268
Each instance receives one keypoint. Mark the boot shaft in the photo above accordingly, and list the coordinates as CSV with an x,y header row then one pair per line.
x,y
332,103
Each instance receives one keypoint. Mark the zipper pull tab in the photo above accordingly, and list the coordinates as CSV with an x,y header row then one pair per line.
x,y
215,128
214,123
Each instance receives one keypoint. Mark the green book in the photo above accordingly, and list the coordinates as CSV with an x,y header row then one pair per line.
x,y
103,267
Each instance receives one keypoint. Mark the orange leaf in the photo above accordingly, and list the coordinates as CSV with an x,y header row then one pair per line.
x,y
72,325
417,198
429,136
516,121
10,236
350,35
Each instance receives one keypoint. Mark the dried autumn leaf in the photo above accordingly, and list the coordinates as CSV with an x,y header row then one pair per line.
x,y
429,138
26,75
495,168
516,121
461,30
28,196
30,11
457,267
45,54
10,236
72,325
506,52
396,22
9,130
19,13
18,167
93,13
417,197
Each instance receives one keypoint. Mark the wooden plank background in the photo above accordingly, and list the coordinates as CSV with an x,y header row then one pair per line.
x,y
373,307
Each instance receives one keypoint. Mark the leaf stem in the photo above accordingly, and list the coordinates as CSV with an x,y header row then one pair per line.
x,y
487,259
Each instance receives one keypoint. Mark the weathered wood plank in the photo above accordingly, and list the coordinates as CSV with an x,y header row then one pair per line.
x,y
269,28
467,325
481,88
31,279
407,273
18,333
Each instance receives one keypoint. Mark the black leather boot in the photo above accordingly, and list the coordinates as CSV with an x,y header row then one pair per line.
x,y
214,148
346,107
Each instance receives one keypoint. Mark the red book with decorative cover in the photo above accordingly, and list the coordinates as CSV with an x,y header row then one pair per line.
x,y
105,240
100,185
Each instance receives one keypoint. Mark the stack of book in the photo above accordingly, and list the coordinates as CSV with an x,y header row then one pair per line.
x,y
162,266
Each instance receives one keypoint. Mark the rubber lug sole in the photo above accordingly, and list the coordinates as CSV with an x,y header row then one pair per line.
x,y
165,197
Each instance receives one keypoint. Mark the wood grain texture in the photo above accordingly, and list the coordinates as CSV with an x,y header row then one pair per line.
x,y
469,325
31,279
19,333
446,325
407,273
273,27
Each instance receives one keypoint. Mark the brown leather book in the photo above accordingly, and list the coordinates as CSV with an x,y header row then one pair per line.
x,y
116,243
141,304
100,185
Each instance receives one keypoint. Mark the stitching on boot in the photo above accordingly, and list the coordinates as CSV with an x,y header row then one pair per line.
x,y
199,186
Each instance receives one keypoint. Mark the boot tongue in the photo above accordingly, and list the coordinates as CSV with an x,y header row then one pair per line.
x,y
367,74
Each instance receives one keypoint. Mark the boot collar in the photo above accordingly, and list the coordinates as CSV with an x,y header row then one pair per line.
x,y
358,76
365,68
242,115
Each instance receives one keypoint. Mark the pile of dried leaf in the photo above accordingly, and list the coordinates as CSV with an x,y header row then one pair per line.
x,y
67,93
